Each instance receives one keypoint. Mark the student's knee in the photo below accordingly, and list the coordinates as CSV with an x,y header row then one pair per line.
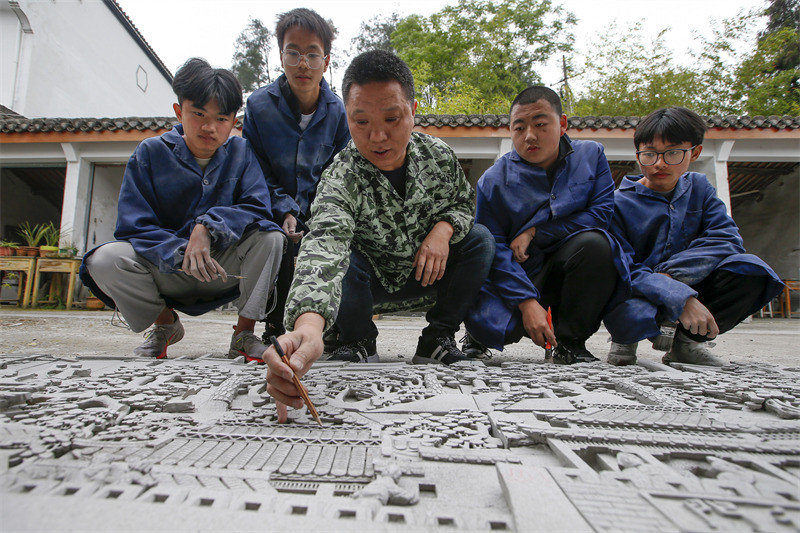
x,y
108,258
481,243
268,240
593,244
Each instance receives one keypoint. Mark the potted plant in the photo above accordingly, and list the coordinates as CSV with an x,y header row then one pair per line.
x,y
93,302
50,235
67,250
32,235
8,248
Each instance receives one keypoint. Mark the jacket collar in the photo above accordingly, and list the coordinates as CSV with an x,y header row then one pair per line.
x,y
374,175
633,182
287,102
174,139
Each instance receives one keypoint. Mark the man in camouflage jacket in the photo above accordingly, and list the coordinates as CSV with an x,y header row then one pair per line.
x,y
392,220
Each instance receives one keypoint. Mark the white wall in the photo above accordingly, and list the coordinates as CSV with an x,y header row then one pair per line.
x,y
79,61
106,183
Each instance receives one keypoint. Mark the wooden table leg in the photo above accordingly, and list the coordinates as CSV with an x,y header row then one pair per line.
x,y
35,296
71,284
26,299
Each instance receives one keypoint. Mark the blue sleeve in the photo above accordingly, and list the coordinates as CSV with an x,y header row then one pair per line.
x,y
597,214
507,276
138,222
662,291
227,224
719,238
342,135
281,202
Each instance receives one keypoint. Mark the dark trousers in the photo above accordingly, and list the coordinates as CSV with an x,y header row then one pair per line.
x,y
274,319
576,282
468,265
729,297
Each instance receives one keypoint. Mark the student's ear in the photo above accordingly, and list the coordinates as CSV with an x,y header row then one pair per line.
x,y
178,112
562,121
327,62
414,108
696,153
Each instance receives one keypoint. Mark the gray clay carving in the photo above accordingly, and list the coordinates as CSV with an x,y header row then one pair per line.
x,y
107,443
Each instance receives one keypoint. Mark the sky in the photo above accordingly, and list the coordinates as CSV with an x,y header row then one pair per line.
x,y
180,29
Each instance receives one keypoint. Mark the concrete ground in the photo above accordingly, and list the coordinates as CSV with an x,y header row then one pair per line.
x,y
87,333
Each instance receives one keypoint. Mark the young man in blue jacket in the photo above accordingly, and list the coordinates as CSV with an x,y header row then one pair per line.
x,y
193,210
296,126
686,257
548,204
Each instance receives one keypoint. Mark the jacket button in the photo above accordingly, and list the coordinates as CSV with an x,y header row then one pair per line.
x,y
205,182
672,207
553,196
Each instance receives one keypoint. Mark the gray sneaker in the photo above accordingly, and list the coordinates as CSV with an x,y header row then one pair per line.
x,y
685,350
158,338
247,345
622,354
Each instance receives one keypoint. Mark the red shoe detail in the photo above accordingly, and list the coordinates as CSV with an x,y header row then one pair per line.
x,y
163,354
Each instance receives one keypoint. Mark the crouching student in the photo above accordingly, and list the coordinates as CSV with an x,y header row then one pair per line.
x,y
685,253
548,204
193,217
296,126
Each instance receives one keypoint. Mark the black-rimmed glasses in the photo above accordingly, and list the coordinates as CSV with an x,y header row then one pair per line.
x,y
292,58
673,156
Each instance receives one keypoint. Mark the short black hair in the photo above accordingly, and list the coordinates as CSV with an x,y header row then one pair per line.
x,y
308,19
377,66
672,124
534,93
199,82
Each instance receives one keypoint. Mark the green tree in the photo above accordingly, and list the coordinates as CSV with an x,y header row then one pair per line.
x,y
769,78
375,34
630,74
485,52
251,56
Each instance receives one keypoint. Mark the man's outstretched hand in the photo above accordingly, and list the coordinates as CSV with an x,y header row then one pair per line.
x,y
302,347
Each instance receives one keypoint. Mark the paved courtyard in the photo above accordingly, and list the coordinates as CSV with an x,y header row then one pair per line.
x,y
94,438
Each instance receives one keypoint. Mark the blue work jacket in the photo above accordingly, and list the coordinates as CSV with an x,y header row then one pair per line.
x,y
687,237
514,196
293,159
165,193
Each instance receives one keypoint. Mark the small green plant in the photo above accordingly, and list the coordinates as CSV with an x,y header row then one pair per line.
x,y
51,234
32,234
9,244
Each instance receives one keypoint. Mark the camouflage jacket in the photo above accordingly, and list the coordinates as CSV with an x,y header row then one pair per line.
x,y
357,206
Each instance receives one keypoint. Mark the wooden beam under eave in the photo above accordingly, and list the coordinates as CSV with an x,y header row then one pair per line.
x,y
85,136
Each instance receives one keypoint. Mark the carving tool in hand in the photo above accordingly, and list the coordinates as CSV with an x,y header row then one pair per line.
x,y
296,381
234,276
548,348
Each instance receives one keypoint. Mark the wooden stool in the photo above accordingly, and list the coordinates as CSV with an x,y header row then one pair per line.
x,y
64,266
27,266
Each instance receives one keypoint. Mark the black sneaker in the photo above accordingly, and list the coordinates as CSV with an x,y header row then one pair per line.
x,y
438,350
363,351
569,353
272,330
472,349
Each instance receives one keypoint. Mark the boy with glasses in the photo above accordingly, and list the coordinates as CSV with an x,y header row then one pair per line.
x,y
685,253
296,126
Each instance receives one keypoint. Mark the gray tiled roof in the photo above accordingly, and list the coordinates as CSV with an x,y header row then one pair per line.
x,y
58,125
715,121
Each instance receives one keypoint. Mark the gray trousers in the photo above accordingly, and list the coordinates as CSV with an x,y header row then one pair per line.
x,y
137,286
